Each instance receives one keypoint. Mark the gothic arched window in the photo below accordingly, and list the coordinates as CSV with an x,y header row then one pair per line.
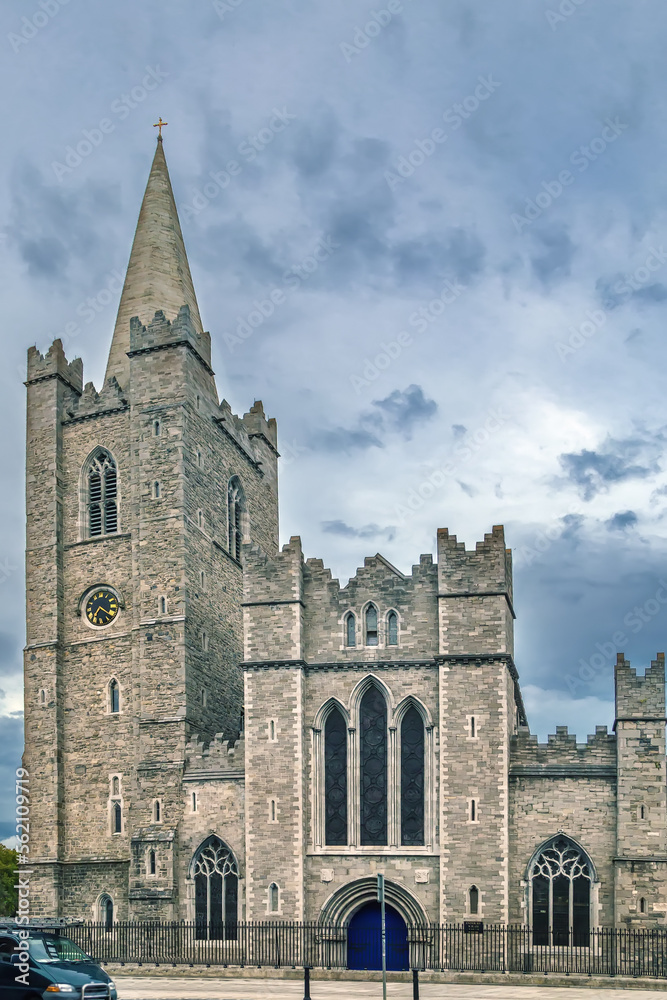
x,y
235,514
102,486
412,778
373,761
216,878
116,818
371,623
335,779
473,900
274,898
350,630
392,629
151,863
560,882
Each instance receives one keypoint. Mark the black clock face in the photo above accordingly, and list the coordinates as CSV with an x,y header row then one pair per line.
x,y
101,607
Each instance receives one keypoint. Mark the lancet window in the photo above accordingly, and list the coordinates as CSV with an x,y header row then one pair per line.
x,y
102,487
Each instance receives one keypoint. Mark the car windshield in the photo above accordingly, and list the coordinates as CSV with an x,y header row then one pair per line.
x,y
55,949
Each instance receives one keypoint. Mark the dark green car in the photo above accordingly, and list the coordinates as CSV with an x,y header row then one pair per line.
x,y
56,968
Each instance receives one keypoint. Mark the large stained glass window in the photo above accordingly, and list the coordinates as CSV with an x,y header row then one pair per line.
x,y
412,778
216,891
335,779
560,879
373,755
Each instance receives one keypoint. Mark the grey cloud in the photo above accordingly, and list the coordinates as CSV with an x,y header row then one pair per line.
x,y
615,290
398,413
367,531
592,472
469,491
622,520
555,259
11,748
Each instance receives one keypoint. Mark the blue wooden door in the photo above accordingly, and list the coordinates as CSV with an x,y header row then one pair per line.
x,y
364,939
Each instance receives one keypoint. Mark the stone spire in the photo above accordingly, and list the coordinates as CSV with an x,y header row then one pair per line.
x,y
158,274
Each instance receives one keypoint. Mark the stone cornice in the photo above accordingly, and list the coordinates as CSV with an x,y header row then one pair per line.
x,y
220,421
565,770
61,378
94,414
184,342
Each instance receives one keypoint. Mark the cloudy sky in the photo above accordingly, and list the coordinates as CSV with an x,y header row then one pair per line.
x,y
464,205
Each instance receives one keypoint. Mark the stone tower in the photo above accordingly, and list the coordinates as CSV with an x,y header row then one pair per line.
x,y
143,493
641,828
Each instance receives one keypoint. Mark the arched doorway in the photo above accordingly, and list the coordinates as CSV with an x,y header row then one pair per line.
x,y
364,939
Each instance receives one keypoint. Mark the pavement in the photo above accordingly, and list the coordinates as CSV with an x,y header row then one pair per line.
x,y
195,986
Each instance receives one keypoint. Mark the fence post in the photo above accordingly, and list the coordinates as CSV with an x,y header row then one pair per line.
x,y
306,982
415,984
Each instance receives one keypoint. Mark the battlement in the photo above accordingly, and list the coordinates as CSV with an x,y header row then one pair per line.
x,y
220,755
91,403
160,332
562,750
276,578
54,364
488,567
255,424
640,697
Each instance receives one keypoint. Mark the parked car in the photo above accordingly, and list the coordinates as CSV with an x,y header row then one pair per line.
x,y
56,967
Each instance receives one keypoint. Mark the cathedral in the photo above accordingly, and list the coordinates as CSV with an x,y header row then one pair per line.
x,y
217,731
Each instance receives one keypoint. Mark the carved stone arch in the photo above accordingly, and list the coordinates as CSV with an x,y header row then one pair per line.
x,y
345,901
411,701
325,710
207,842
360,689
213,878
98,453
546,844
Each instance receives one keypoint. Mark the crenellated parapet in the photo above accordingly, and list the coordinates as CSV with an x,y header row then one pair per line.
x,y
54,364
562,755
111,399
218,758
487,567
161,333
640,697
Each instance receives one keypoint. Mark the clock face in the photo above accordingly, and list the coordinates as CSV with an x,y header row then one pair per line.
x,y
101,607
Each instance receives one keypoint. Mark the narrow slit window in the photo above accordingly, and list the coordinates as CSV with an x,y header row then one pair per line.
x,y
117,818
156,490
194,802
151,862
473,900
642,905
114,697
42,696
156,811
473,811
392,629
371,625
272,730
274,898
115,786
163,605
273,810
350,630
156,428
642,812
473,730
236,510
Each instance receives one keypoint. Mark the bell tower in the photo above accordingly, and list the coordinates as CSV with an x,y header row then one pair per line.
x,y
134,611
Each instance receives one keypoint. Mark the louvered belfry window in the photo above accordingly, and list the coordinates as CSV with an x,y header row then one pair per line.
x,y
373,725
102,496
335,779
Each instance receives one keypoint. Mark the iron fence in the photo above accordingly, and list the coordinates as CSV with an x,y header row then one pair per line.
x,y
473,946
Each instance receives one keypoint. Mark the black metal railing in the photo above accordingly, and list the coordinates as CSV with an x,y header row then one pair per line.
x,y
473,946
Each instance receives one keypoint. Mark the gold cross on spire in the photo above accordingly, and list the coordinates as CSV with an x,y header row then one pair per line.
x,y
158,124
